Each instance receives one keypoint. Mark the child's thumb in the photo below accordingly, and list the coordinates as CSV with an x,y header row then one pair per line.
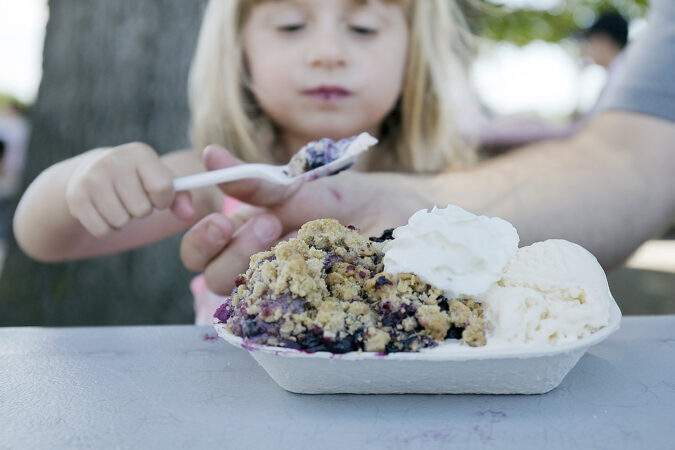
x,y
216,157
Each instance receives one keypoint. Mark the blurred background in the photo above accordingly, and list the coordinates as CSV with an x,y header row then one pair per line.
x,y
78,75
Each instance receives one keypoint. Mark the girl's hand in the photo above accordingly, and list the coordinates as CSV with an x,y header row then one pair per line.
x,y
114,185
221,247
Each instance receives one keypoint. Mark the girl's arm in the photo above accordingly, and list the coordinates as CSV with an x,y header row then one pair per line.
x,y
74,209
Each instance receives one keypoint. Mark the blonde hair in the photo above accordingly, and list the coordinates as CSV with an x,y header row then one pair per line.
x,y
420,133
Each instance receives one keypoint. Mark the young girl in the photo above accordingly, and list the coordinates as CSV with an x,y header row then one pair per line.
x,y
267,77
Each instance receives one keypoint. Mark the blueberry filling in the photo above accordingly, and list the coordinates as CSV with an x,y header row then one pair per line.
x,y
239,280
343,345
329,261
285,303
224,311
250,328
409,309
386,235
318,154
313,341
394,318
382,281
454,333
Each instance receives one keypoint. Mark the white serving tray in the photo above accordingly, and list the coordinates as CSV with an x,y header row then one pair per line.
x,y
448,369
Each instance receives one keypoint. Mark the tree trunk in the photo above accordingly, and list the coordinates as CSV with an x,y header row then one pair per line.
x,y
114,72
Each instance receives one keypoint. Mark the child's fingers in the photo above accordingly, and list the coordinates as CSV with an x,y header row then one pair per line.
x,y
91,220
80,207
256,235
157,180
133,196
205,240
110,207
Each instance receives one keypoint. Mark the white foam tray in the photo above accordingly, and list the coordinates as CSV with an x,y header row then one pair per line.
x,y
449,369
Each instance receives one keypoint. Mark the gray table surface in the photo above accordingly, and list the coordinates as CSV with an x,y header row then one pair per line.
x,y
179,387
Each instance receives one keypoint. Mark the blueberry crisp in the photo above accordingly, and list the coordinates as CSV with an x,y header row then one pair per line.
x,y
317,154
326,291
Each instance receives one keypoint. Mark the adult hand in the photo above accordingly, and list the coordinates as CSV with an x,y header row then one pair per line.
x,y
221,246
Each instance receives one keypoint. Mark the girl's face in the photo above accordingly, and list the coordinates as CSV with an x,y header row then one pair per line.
x,y
326,68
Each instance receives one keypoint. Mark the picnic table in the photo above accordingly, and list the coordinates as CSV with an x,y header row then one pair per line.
x,y
182,387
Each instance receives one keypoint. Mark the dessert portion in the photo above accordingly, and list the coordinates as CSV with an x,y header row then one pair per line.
x,y
320,153
447,276
551,292
326,290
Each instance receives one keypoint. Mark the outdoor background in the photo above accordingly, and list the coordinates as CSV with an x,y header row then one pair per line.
x,y
97,73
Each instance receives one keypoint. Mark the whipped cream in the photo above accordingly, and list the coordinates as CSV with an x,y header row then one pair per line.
x,y
552,292
456,251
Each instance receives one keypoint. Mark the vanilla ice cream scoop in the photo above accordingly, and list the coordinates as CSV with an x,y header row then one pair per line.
x,y
456,251
551,292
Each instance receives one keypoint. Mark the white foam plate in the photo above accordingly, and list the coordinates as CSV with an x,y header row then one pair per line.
x,y
451,368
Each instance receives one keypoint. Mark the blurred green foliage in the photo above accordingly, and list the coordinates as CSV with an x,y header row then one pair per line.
x,y
9,101
495,19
